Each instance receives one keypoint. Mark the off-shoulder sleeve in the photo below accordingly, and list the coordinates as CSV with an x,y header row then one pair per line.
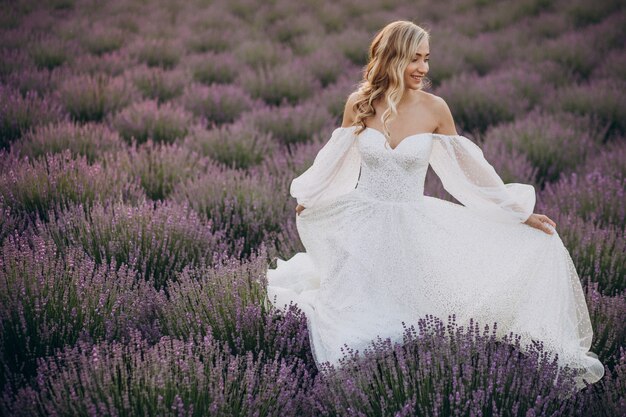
x,y
468,177
334,171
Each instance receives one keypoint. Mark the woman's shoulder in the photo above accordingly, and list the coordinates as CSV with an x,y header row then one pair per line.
x,y
348,111
353,96
423,95
434,104
429,99
424,101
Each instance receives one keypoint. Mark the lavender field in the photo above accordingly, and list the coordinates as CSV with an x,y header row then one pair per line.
x,y
146,153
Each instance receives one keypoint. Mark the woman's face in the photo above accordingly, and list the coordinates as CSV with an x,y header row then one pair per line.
x,y
418,67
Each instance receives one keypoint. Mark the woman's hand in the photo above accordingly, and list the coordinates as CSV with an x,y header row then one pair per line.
x,y
541,221
299,208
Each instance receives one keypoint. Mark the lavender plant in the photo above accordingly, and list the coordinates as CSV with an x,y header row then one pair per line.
x,y
286,83
34,187
214,68
288,29
49,53
158,84
613,66
510,164
607,313
332,18
160,167
213,39
191,377
48,302
246,207
217,103
595,197
290,124
483,51
34,80
482,101
289,163
229,303
604,99
157,53
326,65
112,64
446,370
582,13
609,160
552,146
598,252
88,97
606,398
352,42
149,120
235,145
14,58
334,97
11,221
261,53
18,113
91,140
100,40
156,239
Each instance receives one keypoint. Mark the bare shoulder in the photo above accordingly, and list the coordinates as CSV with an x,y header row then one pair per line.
x,y
348,112
428,98
441,110
432,102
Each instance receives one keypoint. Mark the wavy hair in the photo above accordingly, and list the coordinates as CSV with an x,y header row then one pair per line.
x,y
389,54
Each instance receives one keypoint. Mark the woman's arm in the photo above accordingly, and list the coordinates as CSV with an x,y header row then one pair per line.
x,y
464,172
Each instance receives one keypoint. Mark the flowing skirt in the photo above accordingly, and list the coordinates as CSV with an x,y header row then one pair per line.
x,y
369,265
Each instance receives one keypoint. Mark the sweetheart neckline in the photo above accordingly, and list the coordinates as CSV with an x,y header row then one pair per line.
x,y
399,143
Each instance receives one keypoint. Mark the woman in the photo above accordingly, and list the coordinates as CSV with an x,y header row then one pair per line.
x,y
380,252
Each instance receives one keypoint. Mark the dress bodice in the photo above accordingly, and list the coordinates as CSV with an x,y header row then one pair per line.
x,y
393,174
366,162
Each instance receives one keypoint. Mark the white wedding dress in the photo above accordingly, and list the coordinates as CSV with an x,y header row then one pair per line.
x,y
379,251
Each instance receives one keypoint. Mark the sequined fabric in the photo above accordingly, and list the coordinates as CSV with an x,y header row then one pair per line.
x,y
380,252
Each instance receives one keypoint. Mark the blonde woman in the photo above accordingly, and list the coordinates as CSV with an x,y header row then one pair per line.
x,y
380,252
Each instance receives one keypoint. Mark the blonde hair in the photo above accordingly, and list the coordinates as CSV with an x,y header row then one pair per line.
x,y
389,54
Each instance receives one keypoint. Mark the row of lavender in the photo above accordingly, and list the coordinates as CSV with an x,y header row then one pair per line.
x,y
144,189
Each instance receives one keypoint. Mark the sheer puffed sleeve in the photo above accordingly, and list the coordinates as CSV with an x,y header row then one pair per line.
x,y
335,170
468,177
